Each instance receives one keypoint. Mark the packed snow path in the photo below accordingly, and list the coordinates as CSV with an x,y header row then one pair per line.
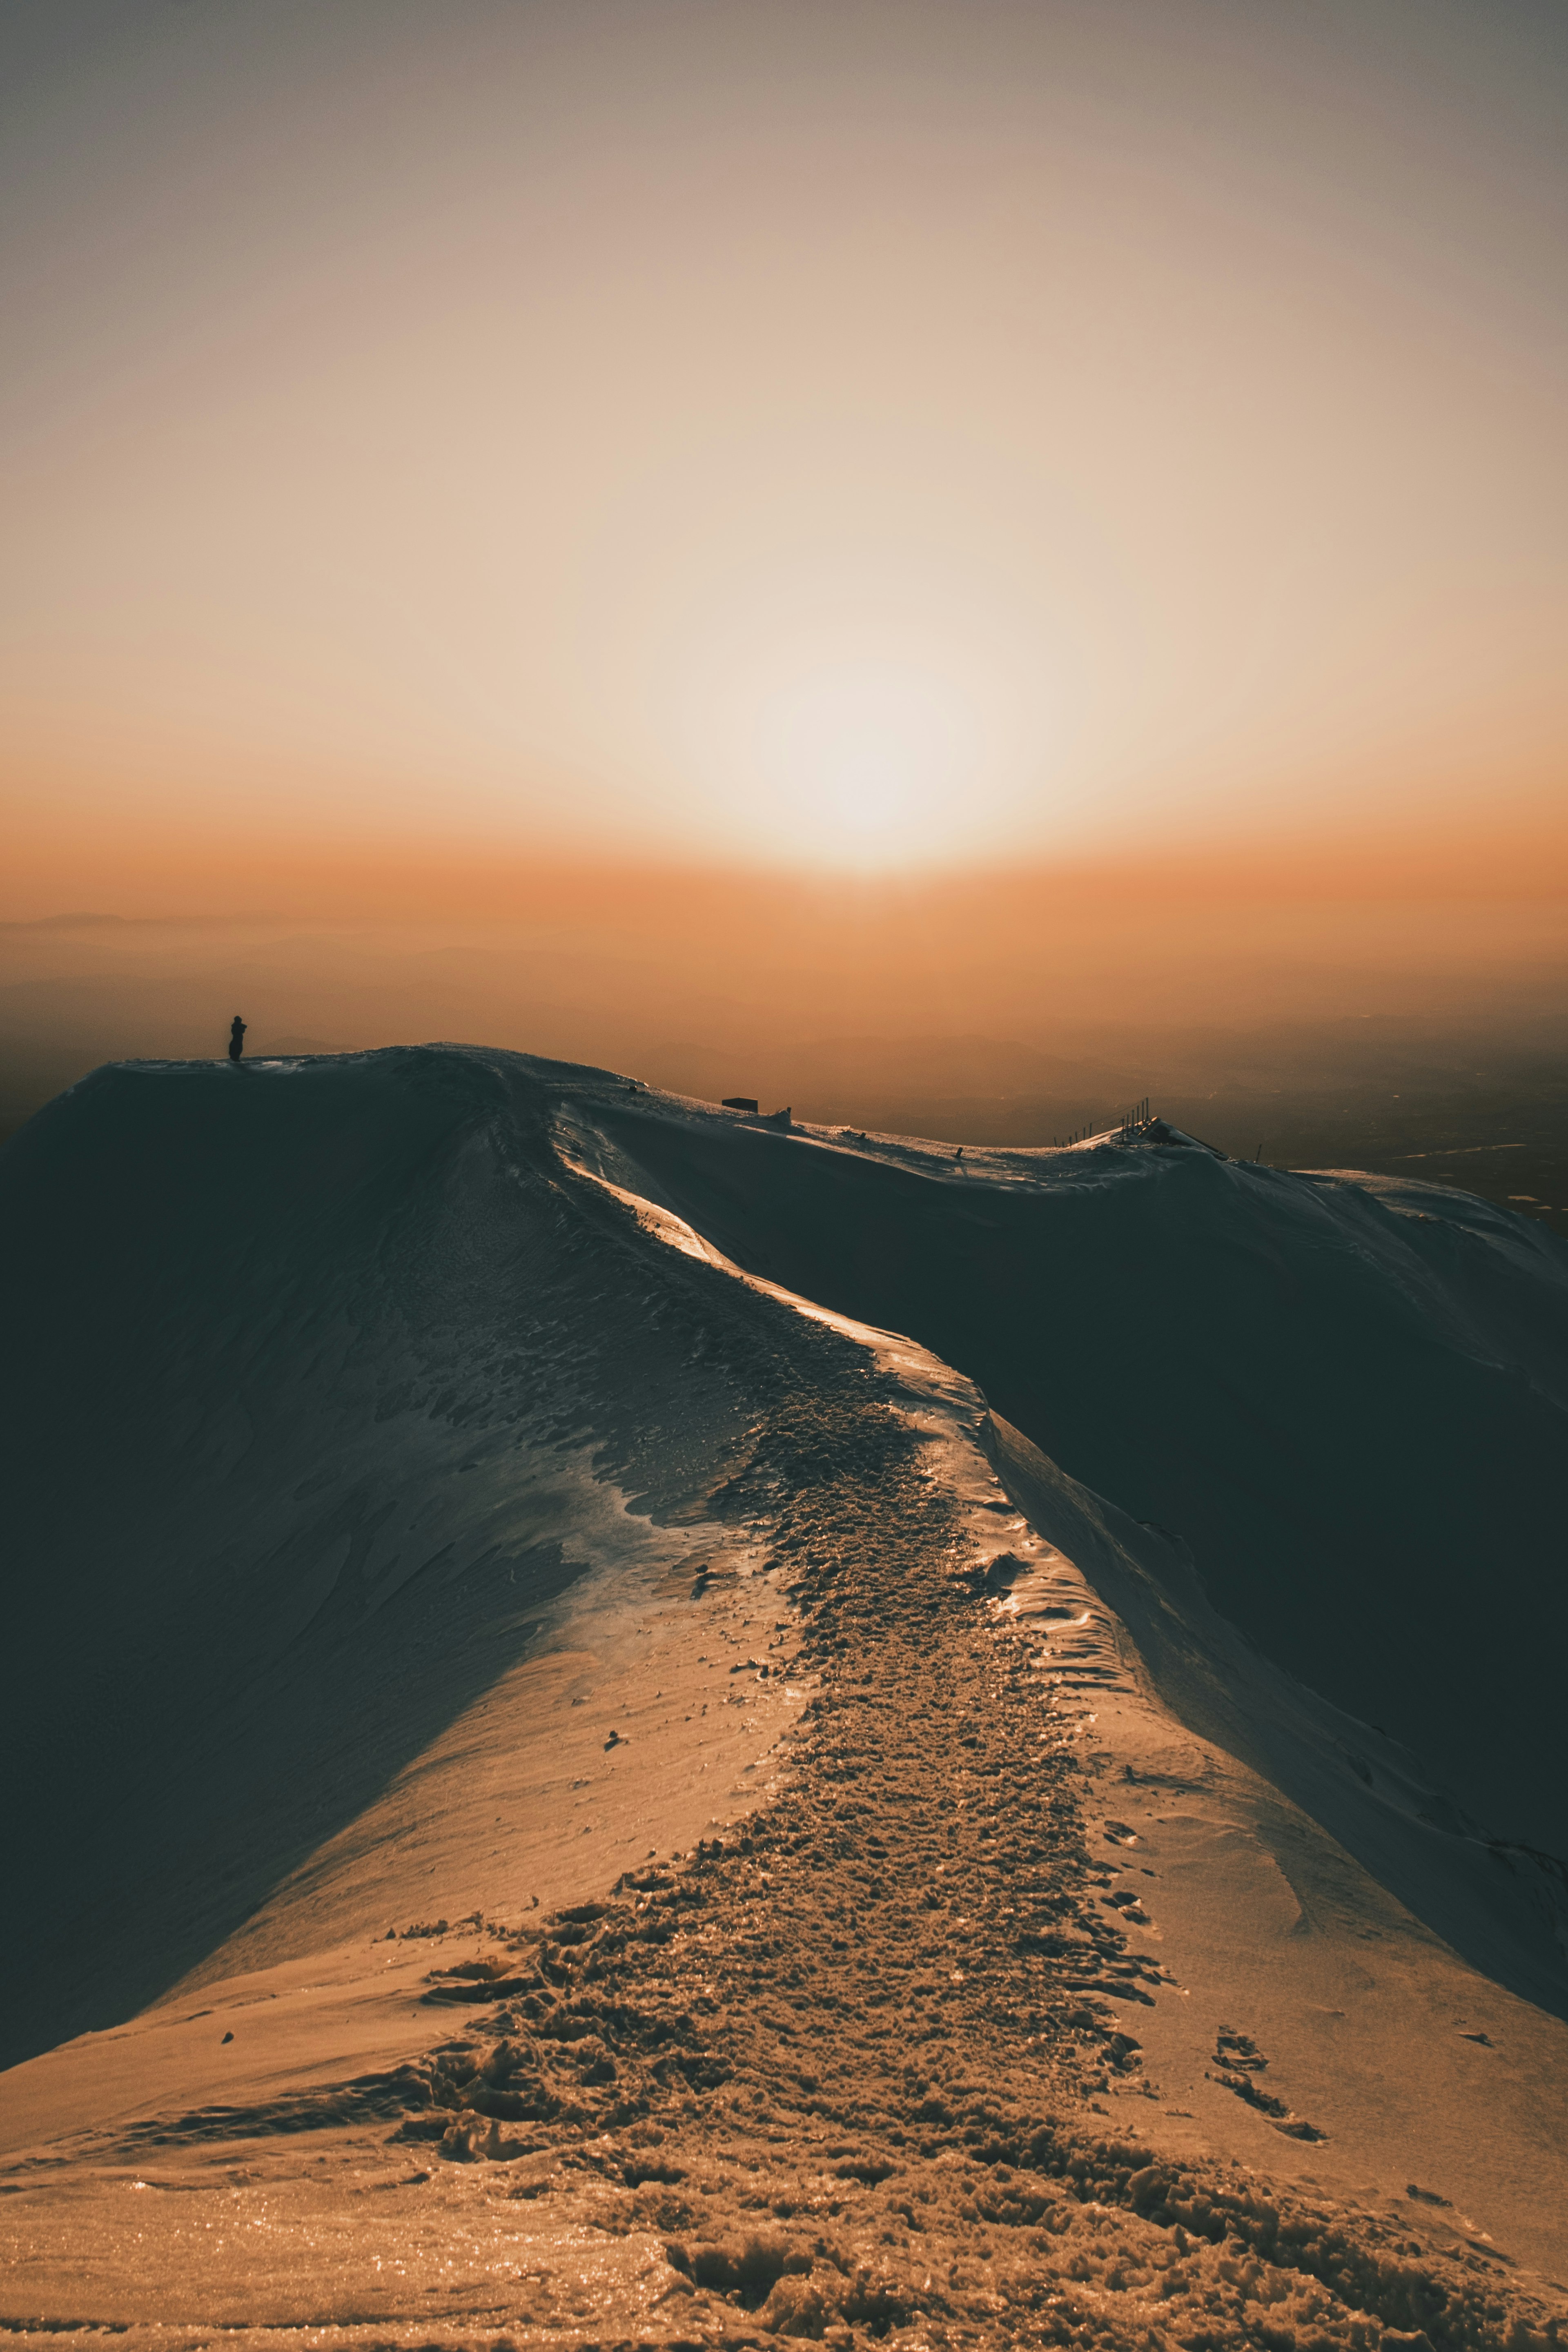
x,y
869,2068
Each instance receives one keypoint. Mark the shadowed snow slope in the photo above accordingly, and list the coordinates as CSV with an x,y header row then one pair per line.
x,y
1341,1401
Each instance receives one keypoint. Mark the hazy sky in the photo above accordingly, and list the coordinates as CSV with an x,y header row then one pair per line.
x,y
813,434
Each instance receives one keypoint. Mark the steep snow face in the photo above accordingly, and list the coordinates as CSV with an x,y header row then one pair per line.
x,y
323,1383
1344,1400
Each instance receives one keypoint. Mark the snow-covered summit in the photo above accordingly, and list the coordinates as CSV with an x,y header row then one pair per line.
x,y
325,1379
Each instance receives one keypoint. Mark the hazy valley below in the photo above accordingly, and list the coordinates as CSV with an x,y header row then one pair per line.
x,y
1462,1082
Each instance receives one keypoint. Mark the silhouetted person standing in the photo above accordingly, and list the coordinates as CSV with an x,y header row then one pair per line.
x,y
236,1039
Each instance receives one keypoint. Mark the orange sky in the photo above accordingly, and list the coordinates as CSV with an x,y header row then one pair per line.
x,y
443,445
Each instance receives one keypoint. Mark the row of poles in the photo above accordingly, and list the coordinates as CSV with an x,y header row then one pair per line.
x,y
1133,1123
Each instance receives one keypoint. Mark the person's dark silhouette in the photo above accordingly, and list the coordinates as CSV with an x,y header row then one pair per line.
x,y
236,1039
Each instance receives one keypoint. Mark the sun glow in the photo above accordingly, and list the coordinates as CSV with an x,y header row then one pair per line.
x,y
861,747
851,439
860,762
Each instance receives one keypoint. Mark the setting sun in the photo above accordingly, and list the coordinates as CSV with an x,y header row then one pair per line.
x,y
815,439
867,765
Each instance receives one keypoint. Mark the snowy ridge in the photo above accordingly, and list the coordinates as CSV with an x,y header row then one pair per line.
x,y
457,1493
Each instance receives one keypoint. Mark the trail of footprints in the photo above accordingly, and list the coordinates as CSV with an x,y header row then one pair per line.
x,y
848,2064
1240,2062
